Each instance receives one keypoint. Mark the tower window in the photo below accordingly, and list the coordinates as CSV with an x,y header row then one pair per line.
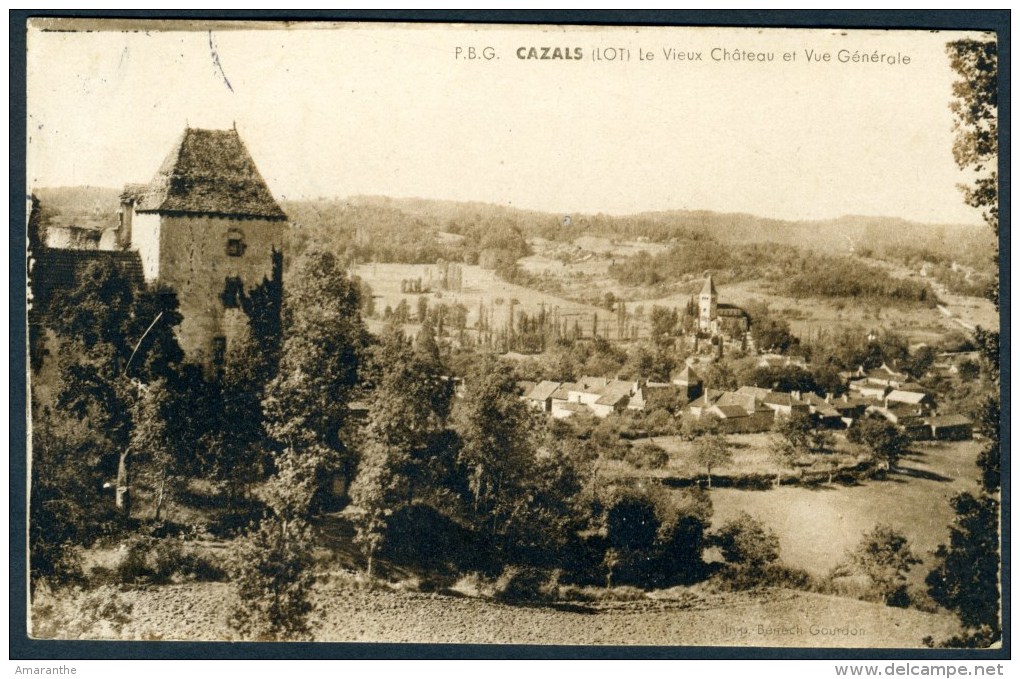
x,y
233,289
235,243
219,350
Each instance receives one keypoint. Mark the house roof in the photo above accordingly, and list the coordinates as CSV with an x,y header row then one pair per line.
x,y
574,407
850,403
747,402
866,385
706,399
562,392
906,396
524,387
781,398
757,392
709,287
543,390
729,310
949,421
886,373
614,392
208,172
591,384
729,412
688,376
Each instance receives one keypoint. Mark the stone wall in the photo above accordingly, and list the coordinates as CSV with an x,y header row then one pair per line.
x,y
194,261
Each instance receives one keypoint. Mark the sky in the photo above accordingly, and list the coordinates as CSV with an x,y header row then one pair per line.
x,y
336,110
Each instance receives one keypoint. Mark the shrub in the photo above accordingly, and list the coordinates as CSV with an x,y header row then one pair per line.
x,y
647,457
522,584
148,559
271,567
745,541
885,557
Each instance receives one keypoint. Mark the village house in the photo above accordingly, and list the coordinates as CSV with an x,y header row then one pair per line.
x,y
850,408
700,405
866,389
881,376
911,396
951,428
822,411
753,415
541,395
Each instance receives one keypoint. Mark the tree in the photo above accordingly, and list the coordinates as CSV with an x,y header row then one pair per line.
x,y
112,337
747,542
884,556
881,436
67,510
975,122
711,450
966,577
306,405
800,432
372,493
161,439
782,453
272,569
518,500
664,321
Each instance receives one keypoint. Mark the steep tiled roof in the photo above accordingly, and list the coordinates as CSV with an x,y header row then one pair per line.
x,y
709,287
688,376
208,172
54,270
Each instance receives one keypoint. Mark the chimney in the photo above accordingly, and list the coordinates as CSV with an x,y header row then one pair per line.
x,y
828,397
124,229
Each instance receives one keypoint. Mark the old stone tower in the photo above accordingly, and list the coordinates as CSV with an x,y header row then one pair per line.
x,y
708,306
208,227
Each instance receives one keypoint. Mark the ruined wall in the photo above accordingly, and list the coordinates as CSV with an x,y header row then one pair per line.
x,y
194,260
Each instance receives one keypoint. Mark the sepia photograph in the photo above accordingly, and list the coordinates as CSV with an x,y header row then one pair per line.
x,y
516,334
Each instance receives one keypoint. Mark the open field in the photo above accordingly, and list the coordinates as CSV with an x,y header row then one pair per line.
x,y
677,617
480,287
817,525
751,455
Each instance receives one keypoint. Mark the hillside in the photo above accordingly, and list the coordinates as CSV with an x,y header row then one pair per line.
x,y
840,235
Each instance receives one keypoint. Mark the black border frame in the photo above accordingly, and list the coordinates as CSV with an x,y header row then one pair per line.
x,y
22,647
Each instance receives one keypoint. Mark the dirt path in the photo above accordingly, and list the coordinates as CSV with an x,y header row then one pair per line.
x,y
770,618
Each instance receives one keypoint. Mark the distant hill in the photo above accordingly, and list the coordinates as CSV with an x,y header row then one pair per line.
x,y
424,219
851,233
89,206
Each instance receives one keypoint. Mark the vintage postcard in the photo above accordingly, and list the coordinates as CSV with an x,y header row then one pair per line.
x,y
513,334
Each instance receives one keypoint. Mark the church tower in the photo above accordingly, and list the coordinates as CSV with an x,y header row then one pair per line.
x,y
708,306
208,227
